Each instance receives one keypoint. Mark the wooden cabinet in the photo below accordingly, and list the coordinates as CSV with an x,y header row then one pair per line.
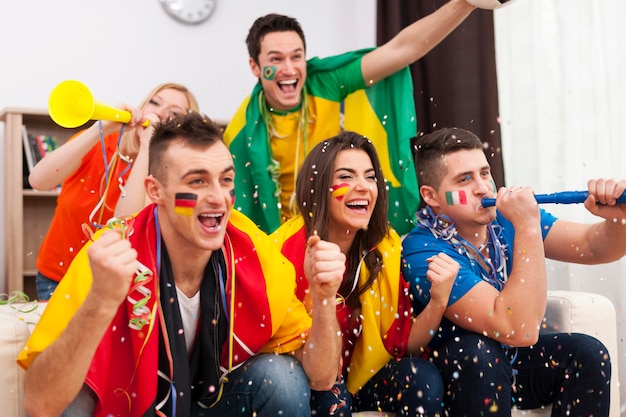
x,y
27,213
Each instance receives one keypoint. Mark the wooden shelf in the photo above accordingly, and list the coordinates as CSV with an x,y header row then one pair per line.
x,y
27,212
43,194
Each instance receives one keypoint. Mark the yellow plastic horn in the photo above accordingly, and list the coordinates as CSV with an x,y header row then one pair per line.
x,y
71,104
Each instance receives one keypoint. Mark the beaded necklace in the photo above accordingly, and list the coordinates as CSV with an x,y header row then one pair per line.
x,y
301,142
493,267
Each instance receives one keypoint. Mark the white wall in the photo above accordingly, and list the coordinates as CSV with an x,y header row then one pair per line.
x,y
121,49
562,108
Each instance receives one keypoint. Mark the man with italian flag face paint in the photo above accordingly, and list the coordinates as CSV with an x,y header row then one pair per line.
x,y
490,331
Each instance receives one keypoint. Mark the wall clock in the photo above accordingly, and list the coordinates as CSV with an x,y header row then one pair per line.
x,y
191,12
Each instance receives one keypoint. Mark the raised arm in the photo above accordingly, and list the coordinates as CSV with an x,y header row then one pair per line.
x,y
134,197
324,266
62,162
511,316
64,364
414,41
596,243
442,271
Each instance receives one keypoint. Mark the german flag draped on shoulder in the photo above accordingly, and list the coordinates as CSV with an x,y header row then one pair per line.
x,y
384,113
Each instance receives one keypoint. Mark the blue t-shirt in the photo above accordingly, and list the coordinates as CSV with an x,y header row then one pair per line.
x,y
421,244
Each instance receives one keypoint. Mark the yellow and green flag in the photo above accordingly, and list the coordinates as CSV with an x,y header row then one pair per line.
x,y
384,113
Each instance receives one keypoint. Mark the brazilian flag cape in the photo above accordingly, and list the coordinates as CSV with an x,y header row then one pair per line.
x,y
265,315
384,113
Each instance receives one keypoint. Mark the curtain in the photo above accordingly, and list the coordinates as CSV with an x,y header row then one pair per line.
x,y
455,84
562,95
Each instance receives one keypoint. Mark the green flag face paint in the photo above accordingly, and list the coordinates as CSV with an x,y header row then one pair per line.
x,y
185,203
269,72
456,197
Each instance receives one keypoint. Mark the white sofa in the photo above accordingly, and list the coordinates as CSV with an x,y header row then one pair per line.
x,y
573,312
567,312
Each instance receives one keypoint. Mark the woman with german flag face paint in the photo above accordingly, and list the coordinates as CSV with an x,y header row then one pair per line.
x,y
342,197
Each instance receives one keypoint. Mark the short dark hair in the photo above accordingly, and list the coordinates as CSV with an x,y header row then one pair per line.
x,y
192,129
312,194
429,149
268,24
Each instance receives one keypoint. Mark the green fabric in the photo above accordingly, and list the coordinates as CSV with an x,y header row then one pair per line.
x,y
391,100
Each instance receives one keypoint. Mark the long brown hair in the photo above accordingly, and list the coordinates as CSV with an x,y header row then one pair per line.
x,y
129,144
312,194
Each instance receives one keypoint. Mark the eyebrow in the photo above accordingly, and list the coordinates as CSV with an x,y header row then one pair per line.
x,y
351,170
465,173
205,172
273,52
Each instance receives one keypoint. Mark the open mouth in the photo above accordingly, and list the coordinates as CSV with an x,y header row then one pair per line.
x,y
211,221
288,86
359,206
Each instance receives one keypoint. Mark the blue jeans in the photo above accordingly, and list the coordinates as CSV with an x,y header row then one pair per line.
x,y
408,387
570,371
266,385
45,286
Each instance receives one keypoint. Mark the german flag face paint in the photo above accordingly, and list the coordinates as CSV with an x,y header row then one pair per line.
x,y
456,197
185,203
339,190
232,196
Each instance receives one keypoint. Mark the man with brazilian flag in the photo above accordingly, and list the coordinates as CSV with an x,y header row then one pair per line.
x,y
298,103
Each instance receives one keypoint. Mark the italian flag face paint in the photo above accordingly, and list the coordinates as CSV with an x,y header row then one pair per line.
x,y
455,197
339,190
185,203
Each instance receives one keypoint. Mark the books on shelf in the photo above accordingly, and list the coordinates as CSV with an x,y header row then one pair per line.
x,y
35,148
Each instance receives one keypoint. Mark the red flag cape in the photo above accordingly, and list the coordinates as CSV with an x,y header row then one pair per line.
x,y
266,315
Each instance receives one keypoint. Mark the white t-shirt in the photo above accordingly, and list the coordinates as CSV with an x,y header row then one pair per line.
x,y
189,312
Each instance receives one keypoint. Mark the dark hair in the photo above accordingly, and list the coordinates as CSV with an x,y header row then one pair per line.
x,y
312,194
192,129
268,24
428,152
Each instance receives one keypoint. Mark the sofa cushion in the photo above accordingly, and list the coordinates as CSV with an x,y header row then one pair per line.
x,y
16,323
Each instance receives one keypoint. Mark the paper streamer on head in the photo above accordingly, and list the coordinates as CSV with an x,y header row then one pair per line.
x,y
456,197
185,203
339,190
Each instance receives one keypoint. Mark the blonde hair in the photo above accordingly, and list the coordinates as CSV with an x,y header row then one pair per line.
x,y
129,144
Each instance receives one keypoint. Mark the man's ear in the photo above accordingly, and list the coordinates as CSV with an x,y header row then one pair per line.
x,y
429,195
254,67
153,189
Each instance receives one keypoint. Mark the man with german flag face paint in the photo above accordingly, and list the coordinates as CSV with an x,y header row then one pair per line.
x,y
187,308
